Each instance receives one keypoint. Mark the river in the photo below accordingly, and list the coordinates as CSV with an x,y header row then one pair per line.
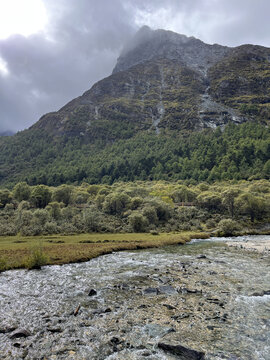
x,y
205,295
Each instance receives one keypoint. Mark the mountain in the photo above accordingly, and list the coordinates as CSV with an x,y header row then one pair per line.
x,y
165,86
164,80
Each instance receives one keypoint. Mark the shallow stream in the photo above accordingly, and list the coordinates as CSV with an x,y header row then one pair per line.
x,y
204,295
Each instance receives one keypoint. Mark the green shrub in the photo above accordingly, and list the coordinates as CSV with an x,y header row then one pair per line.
x,y
51,228
41,196
228,227
68,229
54,209
22,191
136,202
37,258
92,219
3,264
31,230
116,203
138,222
8,229
62,194
151,214
40,217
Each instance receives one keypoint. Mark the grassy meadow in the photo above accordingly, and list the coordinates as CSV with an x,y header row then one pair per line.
x,y
30,252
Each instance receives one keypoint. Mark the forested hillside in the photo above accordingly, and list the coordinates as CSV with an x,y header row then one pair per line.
x,y
239,152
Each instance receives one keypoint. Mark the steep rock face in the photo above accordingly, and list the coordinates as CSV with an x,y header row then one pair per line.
x,y
241,80
166,81
150,96
188,51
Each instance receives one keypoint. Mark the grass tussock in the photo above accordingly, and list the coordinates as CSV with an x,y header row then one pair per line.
x,y
37,258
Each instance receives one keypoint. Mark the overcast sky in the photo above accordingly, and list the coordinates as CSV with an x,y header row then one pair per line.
x,y
60,48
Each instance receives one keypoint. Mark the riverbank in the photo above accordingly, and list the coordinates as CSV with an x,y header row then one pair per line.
x,y
262,246
28,252
152,304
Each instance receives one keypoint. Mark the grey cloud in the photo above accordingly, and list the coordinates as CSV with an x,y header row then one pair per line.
x,y
47,70
85,37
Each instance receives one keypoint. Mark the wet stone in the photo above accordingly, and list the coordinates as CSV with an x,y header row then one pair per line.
x,y
183,352
201,257
150,291
169,307
167,289
102,311
20,333
180,316
157,330
54,329
92,292
7,329
261,293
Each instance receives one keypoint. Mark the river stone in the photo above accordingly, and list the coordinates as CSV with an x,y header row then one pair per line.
x,y
102,311
167,289
169,307
54,329
183,352
157,330
201,257
7,329
261,293
92,292
150,291
20,333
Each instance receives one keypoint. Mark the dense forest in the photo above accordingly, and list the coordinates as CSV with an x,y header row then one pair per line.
x,y
144,206
237,152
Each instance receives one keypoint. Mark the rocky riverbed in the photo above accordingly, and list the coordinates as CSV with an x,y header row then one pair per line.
x,y
260,244
149,304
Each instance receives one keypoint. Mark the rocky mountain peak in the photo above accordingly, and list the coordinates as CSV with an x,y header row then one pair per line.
x,y
148,44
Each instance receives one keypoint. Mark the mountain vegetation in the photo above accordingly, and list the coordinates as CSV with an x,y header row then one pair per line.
x,y
238,152
158,206
175,110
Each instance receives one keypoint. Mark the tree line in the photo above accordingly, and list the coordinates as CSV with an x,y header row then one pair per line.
x,y
141,206
238,152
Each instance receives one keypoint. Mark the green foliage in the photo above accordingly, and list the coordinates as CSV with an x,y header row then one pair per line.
x,y
266,169
62,194
93,219
139,206
54,209
228,227
150,213
3,264
254,206
228,200
138,222
40,196
183,194
116,203
22,191
5,197
209,201
37,258
239,152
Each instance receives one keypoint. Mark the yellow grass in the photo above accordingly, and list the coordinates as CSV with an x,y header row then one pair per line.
x,y
60,249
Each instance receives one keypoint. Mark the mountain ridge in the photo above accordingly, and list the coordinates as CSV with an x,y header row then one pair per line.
x,y
161,96
149,44
169,81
